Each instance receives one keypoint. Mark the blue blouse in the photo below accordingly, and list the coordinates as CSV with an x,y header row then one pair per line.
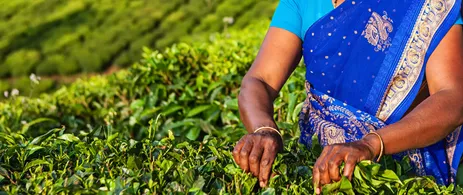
x,y
297,16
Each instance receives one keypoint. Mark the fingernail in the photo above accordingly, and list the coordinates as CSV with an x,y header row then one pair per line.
x,y
262,184
317,190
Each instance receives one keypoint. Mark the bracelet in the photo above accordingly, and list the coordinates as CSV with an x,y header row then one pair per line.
x,y
271,128
382,144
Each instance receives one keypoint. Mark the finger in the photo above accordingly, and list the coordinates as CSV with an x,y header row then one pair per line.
x,y
324,174
254,159
266,165
333,166
316,169
323,168
349,166
325,152
244,155
316,178
237,150
317,184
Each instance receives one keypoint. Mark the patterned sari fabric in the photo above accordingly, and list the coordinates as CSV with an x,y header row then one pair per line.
x,y
365,63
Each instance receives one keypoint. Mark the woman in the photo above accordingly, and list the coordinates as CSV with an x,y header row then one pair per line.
x,y
370,64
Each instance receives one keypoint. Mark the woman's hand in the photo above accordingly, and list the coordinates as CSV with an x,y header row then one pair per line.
x,y
255,152
279,55
326,169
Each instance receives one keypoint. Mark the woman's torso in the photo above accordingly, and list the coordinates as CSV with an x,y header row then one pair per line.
x,y
297,16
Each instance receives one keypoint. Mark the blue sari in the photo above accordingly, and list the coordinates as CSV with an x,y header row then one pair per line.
x,y
365,63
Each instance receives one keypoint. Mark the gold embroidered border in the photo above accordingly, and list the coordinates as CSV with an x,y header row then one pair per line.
x,y
450,146
411,62
347,127
417,159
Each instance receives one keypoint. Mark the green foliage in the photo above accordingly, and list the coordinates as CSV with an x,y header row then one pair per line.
x,y
91,35
168,125
47,67
4,86
22,62
43,86
102,160
88,61
27,88
23,84
57,64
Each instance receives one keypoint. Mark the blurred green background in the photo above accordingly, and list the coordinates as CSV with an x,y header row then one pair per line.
x,y
63,40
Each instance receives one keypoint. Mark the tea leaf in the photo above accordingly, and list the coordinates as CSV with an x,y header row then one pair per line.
x,y
195,111
33,148
269,191
36,162
36,121
193,133
39,139
69,138
198,184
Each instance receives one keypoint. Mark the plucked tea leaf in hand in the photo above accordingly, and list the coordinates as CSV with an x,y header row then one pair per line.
x,y
389,175
269,191
345,186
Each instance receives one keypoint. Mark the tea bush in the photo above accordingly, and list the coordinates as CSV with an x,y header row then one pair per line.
x,y
95,34
167,125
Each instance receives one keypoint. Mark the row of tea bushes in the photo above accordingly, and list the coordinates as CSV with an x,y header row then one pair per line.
x,y
50,37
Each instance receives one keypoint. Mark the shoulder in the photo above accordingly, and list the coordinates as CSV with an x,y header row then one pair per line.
x,y
292,3
307,6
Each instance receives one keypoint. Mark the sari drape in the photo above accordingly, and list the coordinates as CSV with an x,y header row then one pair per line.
x,y
365,62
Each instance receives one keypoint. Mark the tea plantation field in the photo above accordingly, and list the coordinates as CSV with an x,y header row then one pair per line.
x,y
61,38
167,125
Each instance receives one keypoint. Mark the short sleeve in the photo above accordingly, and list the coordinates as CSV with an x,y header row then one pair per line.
x,y
459,20
288,16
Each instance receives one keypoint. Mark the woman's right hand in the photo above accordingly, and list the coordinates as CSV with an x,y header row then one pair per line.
x,y
279,55
255,153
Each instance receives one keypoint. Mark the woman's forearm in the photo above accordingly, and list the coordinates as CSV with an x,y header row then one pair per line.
x,y
279,55
256,103
430,122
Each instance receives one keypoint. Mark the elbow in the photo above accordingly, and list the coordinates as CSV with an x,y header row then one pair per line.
x,y
459,116
453,106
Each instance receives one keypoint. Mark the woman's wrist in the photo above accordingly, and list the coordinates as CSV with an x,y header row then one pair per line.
x,y
269,130
373,143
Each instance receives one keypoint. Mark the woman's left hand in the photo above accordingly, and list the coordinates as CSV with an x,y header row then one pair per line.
x,y
326,169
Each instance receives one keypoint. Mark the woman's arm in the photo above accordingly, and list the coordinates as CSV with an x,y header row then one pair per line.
x,y
431,121
442,112
278,57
